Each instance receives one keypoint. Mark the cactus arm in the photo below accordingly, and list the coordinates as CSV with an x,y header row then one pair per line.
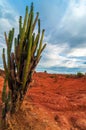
x,y
42,36
33,39
15,53
43,47
25,21
6,39
36,41
12,66
15,46
10,40
28,24
35,21
23,32
20,25
29,50
22,36
4,94
40,45
39,26
4,60
37,38
30,20
28,59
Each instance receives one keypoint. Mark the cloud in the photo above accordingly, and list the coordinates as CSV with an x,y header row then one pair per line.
x,y
51,13
54,57
8,16
65,22
51,56
66,48
65,25
71,26
8,20
78,52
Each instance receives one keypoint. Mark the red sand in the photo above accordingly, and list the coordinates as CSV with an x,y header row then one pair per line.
x,y
62,97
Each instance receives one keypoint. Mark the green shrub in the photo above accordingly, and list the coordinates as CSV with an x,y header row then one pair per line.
x,y
79,74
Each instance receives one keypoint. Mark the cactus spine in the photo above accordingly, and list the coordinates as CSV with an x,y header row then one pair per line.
x,y
21,63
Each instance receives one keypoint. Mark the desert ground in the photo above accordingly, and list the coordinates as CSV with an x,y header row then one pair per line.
x,y
54,102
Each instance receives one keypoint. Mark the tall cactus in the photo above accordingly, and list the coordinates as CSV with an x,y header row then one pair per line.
x,y
21,63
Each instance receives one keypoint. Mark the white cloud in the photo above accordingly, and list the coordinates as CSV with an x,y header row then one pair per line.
x,y
70,35
78,52
64,32
8,17
8,20
74,20
54,56
5,23
74,63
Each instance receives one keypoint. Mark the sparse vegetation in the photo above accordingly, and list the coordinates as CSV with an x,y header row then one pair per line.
x,y
79,75
70,75
53,76
45,71
20,64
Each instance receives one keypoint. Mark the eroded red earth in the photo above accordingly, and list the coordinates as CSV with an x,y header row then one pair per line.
x,y
59,99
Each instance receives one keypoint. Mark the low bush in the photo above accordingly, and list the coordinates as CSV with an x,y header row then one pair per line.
x,y
79,75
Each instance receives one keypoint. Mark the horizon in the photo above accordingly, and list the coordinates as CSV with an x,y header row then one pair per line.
x,y
65,32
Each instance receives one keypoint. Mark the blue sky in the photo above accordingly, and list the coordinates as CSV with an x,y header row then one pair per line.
x,y
65,35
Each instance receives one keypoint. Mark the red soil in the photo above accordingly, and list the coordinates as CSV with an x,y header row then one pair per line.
x,y
59,100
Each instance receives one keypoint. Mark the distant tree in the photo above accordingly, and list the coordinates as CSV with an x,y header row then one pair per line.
x,y
79,74
45,71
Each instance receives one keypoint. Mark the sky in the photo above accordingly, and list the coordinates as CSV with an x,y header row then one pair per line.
x,y
64,22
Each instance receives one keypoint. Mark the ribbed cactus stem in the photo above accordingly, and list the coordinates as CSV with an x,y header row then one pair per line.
x,y
4,60
6,39
25,22
28,58
35,21
4,94
20,25
22,37
43,47
9,47
40,45
38,25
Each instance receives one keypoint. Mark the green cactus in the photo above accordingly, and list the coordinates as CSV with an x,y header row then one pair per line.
x,y
21,63
6,98
4,94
